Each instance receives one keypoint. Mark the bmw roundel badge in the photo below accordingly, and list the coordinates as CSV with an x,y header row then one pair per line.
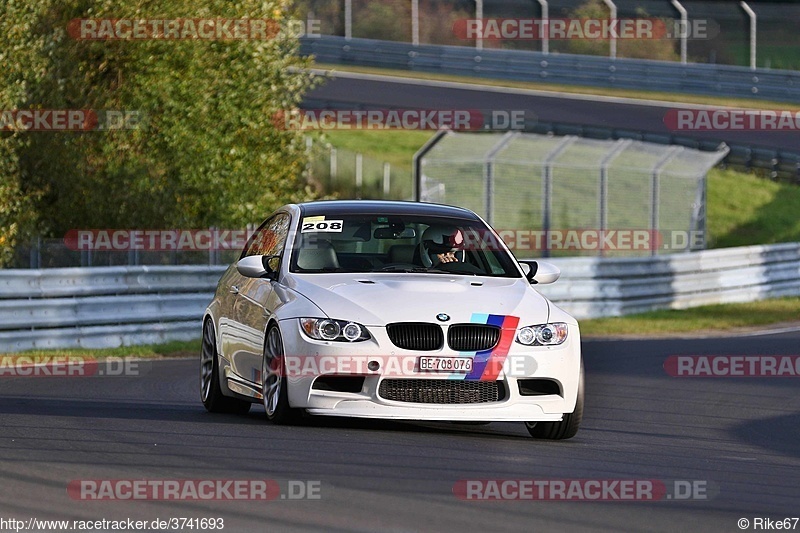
x,y
442,317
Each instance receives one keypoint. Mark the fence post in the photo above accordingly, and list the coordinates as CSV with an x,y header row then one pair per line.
x,y
417,162
547,188
211,247
617,149
359,174
545,26
753,22
334,164
613,40
348,19
684,28
488,173
479,17
654,192
415,22
387,179
36,253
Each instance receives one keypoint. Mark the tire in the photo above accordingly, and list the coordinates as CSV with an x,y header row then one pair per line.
x,y
273,381
567,427
210,391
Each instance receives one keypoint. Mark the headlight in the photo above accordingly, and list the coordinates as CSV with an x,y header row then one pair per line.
x,y
327,329
543,334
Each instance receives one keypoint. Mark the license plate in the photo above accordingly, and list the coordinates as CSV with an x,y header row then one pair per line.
x,y
445,364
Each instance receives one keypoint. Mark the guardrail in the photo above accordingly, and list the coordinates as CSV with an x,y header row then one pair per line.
x,y
118,306
716,80
570,69
102,307
596,287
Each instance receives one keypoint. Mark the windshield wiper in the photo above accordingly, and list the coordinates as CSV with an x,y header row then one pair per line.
x,y
401,269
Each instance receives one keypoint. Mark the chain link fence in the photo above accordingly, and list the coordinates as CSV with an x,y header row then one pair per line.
x,y
550,195
337,171
349,174
727,41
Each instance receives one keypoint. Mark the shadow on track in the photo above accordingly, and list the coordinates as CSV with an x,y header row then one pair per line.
x,y
764,433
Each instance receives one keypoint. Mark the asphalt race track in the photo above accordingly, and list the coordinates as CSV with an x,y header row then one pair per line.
x,y
739,437
360,91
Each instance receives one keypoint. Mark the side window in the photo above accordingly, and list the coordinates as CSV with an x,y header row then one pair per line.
x,y
270,238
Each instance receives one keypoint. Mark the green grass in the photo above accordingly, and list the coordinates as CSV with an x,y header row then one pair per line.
x,y
708,318
777,56
744,209
573,89
395,147
155,351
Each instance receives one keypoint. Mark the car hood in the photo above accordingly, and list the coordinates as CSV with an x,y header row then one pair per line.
x,y
375,300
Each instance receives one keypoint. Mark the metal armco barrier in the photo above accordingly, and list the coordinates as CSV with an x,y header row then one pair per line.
x,y
104,306
597,287
118,306
594,71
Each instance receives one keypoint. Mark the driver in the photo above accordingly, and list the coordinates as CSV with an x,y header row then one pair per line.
x,y
441,244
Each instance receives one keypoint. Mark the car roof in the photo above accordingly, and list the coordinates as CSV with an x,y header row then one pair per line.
x,y
383,207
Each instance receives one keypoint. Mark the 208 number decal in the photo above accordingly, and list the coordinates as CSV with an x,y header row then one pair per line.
x,y
323,225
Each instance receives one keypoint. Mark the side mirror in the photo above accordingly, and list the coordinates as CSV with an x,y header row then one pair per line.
x,y
540,272
258,266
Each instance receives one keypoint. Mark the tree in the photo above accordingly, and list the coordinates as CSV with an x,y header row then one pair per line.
x,y
662,49
21,64
207,151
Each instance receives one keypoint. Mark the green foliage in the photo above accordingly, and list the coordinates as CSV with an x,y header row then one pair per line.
x,y
207,152
661,49
382,19
21,65
390,20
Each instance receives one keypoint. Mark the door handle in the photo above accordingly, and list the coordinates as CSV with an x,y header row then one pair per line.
x,y
234,289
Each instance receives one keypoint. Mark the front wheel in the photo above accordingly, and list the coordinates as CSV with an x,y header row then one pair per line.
x,y
210,390
569,424
273,381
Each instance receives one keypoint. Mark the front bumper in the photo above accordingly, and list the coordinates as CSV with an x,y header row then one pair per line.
x,y
313,359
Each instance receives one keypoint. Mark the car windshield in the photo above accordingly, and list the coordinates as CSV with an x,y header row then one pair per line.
x,y
399,243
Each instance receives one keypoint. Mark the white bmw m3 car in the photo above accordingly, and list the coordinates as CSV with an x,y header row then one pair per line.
x,y
394,310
